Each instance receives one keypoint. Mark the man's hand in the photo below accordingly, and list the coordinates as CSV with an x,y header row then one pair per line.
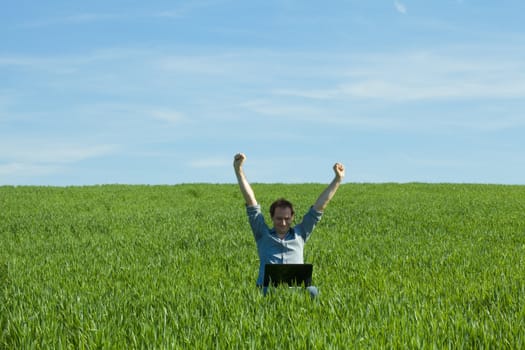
x,y
238,160
339,170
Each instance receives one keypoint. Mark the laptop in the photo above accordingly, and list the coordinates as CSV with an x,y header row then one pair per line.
x,y
290,274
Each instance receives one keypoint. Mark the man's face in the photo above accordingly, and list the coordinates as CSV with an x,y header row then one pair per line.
x,y
282,219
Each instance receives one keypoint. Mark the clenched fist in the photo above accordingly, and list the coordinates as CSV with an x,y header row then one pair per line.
x,y
238,160
339,170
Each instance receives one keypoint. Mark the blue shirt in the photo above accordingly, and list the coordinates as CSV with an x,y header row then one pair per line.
x,y
274,250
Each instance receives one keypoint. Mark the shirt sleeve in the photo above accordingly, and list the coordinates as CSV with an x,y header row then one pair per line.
x,y
307,225
256,219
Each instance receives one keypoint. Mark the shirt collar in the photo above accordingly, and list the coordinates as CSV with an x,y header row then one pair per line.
x,y
291,232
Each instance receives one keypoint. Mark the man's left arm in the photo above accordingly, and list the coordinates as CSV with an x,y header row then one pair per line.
x,y
329,192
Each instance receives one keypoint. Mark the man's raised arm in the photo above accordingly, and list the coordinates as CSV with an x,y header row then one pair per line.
x,y
329,192
244,185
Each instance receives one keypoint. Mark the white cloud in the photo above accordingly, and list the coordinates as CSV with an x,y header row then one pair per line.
x,y
28,169
169,14
169,116
31,152
316,94
74,63
78,18
400,7
381,117
270,108
89,17
420,76
94,17
31,159
200,64
426,90
128,112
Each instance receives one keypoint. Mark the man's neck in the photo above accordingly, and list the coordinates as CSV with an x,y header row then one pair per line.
x,y
283,235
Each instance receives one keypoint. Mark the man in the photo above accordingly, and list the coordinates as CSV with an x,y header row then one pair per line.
x,y
284,243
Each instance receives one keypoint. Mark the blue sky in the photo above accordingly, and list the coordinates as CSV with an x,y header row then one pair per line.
x,y
166,92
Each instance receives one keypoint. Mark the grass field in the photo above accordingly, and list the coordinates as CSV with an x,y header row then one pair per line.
x,y
397,265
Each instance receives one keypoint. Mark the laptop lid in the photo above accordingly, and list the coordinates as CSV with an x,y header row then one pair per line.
x,y
291,274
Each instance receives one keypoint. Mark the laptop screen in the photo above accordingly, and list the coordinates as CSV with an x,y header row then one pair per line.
x,y
290,274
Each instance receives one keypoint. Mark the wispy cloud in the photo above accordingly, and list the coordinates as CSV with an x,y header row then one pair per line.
x,y
389,116
322,89
400,7
94,17
50,152
415,76
25,169
170,116
428,90
31,158
129,111
406,91
79,18
169,14
179,11
67,64
270,108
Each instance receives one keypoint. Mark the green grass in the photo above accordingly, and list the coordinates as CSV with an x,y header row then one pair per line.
x,y
397,265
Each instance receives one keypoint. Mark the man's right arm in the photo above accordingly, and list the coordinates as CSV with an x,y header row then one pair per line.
x,y
325,197
244,185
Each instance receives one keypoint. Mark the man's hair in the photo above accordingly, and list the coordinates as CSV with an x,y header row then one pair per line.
x,y
281,203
